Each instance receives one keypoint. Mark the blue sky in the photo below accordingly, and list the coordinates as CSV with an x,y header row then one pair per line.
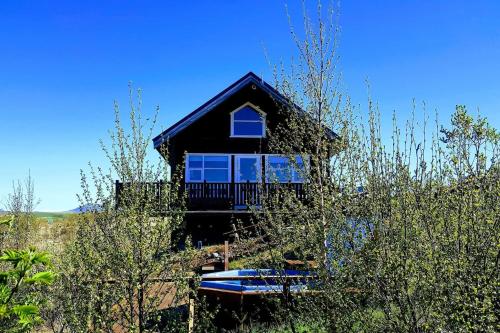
x,y
63,63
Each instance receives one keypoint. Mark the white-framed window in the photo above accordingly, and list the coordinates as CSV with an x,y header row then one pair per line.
x,y
280,169
248,121
248,168
212,168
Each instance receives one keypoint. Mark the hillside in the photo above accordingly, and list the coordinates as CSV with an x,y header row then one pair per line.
x,y
83,209
52,216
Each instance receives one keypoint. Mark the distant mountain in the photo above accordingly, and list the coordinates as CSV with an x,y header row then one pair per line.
x,y
84,209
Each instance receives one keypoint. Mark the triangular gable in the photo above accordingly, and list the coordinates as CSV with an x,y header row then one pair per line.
x,y
215,101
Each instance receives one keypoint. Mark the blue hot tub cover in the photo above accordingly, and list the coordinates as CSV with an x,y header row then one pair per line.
x,y
266,281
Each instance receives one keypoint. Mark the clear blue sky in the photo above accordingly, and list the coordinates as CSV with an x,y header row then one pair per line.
x,y
63,63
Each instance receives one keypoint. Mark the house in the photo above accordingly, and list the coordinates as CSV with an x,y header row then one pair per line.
x,y
223,152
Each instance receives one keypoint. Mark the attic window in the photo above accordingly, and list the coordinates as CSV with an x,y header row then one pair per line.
x,y
247,122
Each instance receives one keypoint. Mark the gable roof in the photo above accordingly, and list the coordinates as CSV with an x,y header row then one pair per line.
x,y
250,77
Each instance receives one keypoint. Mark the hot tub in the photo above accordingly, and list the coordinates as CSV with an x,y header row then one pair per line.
x,y
253,294
252,281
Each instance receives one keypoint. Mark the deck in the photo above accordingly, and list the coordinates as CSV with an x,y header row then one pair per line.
x,y
220,197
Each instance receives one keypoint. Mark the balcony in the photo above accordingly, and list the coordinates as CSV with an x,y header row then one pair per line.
x,y
220,196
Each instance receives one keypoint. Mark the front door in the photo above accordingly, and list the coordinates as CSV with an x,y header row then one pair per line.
x,y
248,173
248,168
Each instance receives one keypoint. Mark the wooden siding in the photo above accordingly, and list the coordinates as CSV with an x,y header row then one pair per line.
x,y
211,133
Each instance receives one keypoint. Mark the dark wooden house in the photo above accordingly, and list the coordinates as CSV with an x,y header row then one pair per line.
x,y
222,150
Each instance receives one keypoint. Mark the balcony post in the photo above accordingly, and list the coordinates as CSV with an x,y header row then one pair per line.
x,y
117,193
160,196
232,193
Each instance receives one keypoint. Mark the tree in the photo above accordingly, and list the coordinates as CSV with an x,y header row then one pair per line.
x,y
123,263
404,232
20,203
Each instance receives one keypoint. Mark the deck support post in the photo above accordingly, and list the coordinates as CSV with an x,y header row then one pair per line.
x,y
191,316
117,193
226,255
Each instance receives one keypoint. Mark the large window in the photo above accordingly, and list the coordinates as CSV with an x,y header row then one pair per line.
x,y
209,168
280,169
247,122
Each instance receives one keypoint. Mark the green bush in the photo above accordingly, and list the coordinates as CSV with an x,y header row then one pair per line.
x,y
20,296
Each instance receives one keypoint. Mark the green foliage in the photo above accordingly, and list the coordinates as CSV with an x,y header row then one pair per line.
x,y
122,265
417,249
6,221
20,203
20,296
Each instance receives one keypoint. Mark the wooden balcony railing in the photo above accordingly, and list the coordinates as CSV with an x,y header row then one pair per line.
x,y
220,196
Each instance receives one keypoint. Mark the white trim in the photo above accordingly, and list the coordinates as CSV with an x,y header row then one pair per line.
x,y
257,109
186,172
258,157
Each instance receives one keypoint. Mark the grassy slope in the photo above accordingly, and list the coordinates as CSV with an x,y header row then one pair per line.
x,y
53,216
52,231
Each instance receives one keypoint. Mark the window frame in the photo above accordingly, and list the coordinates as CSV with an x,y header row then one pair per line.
x,y
256,109
187,168
260,169
294,173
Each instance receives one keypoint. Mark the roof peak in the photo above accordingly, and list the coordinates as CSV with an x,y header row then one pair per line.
x,y
213,102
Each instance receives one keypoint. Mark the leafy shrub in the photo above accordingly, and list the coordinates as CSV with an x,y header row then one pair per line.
x,y
20,297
